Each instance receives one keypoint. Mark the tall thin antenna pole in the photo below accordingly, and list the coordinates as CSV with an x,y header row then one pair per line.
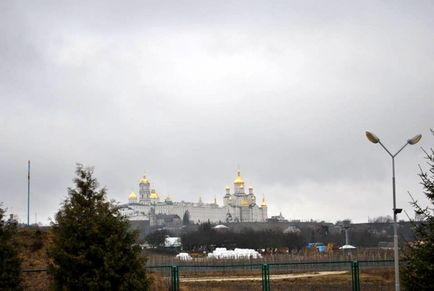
x,y
28,195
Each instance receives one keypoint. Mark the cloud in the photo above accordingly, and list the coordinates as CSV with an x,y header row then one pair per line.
x,y
188,91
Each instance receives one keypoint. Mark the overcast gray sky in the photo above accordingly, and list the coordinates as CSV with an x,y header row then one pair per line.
x,y
189,90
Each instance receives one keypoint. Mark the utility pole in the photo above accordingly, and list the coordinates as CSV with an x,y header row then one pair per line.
x,y
28,195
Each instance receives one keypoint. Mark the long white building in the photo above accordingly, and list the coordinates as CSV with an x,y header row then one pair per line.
x,y
238,206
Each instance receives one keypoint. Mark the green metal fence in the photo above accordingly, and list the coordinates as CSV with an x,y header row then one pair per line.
x,y
355,275
181,275
268,277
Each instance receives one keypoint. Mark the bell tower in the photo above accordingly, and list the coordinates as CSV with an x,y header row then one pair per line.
x,y
144,191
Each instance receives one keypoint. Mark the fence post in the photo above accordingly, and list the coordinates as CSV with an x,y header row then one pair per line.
x,y
265,277
355,273
175,278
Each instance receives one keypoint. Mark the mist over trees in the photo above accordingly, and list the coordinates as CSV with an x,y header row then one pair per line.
x,y
205,237
381,219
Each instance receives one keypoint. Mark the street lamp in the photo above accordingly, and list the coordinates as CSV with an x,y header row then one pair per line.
x,y
374,139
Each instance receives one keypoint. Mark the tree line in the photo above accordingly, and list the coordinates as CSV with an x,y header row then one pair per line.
x,y
207,238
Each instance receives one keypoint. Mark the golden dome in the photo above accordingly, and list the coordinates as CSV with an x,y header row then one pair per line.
x,y
253,198
250,187
132,195
239,180
228,188
153,189
263,203
144,180
154,196
242,187
245,203
230,198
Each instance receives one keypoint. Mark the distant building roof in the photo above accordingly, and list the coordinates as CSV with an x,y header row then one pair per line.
x,y
166,216
220,226
172,242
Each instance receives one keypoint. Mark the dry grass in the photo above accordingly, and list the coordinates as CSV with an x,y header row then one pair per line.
x,y
159,283
373,280
156,259
33,245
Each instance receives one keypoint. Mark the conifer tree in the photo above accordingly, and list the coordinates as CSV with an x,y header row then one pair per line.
x,y
10,263
418,269
92,245
186,218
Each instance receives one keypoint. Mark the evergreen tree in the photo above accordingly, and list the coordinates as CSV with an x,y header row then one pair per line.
x,y
92,246
186,218
10,263
418,270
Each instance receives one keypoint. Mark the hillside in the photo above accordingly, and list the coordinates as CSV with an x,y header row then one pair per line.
x,y
33,244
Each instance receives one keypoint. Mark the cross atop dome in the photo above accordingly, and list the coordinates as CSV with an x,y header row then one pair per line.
x,y
239,180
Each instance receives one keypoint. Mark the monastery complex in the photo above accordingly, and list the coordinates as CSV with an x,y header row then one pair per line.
x,y
238,206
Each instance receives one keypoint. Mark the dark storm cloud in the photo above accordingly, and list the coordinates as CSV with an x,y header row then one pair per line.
x,y
188,91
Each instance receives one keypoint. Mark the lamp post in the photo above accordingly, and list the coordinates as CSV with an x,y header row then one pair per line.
x,y
346,225
374,139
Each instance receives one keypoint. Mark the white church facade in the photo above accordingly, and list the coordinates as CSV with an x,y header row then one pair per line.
x,y
238,206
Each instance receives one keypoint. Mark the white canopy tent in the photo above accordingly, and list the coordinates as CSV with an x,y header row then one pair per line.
x,y
347,247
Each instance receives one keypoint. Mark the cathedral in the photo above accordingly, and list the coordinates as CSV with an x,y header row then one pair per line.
x,y
238,206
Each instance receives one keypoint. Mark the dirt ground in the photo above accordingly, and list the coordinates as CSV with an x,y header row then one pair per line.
x,y
371,280
258,278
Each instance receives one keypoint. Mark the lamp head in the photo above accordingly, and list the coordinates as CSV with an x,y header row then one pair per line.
x,y
415,139
372,137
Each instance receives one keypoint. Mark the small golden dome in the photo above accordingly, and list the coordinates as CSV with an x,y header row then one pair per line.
x,y
228,188
250,187
245,203
230,198
242,187
154,196
153,189
132,195
144,180
263,204
253,198
239,180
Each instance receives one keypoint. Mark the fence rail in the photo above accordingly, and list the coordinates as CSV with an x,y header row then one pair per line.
x,y
353,267
172,273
